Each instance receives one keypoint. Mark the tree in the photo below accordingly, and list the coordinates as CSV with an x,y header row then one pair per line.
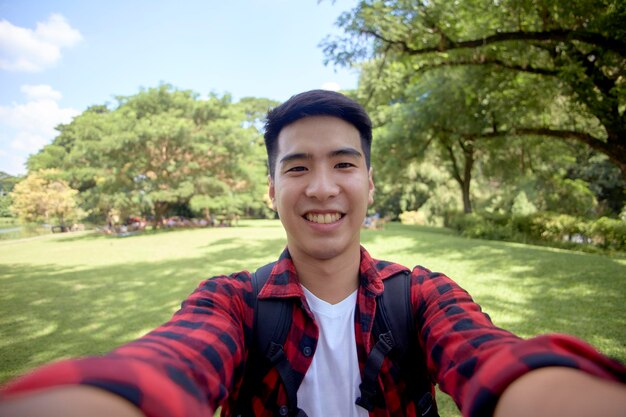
x,y
7,182
158,151
577,47
42,197
447,111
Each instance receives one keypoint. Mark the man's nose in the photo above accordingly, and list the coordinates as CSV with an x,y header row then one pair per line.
x,y
322,186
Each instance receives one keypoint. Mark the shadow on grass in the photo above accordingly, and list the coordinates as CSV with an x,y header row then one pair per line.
x,y
50,312
527,289
94,235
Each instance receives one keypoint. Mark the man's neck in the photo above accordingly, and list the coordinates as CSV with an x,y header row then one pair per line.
x,y
331,280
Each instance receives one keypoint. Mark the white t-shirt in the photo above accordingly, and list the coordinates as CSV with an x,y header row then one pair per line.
x,y
331,384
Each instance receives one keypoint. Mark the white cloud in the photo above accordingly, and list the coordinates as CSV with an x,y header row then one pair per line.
x,y
332,86
23,49
28,141
41,91
26,128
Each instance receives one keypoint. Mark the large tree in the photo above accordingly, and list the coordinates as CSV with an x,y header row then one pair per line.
x,y
579,47
158,150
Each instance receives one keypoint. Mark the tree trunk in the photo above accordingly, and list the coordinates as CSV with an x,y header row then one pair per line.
x,y
464,179
467,202
160,208
617,155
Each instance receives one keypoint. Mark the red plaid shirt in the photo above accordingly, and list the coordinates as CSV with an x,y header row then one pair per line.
x,y
194,363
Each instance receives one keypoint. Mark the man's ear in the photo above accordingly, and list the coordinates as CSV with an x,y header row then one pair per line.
x,y
370,196
272,191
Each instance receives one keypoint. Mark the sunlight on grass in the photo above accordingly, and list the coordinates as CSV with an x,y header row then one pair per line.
x,y
83,293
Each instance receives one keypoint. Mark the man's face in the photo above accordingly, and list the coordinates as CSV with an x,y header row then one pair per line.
x,y
321,187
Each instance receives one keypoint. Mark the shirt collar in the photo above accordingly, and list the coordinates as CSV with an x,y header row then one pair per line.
x,y
283,281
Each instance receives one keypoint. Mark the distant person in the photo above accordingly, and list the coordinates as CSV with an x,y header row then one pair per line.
x,y
321,185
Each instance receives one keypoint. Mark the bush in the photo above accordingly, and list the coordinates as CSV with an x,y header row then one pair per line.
x,y
557,227
5,206
413,217
8,221
609,233
522,206
488,226
559,230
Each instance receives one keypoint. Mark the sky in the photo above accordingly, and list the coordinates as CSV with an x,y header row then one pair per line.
x,y
58,57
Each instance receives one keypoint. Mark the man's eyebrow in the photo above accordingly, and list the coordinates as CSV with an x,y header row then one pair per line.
x,y
332,154
346,152
295,156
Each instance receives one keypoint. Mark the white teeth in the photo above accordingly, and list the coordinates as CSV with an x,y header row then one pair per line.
x,y
323,218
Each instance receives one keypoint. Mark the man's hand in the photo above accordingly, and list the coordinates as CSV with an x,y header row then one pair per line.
x,y
68,401
558,391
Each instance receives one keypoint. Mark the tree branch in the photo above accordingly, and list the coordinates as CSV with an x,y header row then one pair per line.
x,y
590,140
597,39
496,62
456,173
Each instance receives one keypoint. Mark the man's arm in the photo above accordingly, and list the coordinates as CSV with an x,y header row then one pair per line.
x,y
476,363
558,391
68,401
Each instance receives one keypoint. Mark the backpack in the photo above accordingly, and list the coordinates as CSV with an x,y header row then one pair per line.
x,y
392,328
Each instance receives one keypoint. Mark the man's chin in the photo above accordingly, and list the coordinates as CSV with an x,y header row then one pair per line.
x,y
323,252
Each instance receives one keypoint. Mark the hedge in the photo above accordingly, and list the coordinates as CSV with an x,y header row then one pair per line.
x,y
556,229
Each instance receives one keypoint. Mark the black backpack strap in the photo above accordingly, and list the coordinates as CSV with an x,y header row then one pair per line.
x,y
394,331
272,321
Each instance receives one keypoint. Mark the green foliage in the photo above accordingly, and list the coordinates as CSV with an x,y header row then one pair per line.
x,y
477,226
554,229
5,206
522,206
563,56
44,198
7,221
506,98
569,196
160,149
7,182
604,179
609,233
413,218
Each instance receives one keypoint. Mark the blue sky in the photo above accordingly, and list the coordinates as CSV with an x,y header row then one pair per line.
x,y
59,57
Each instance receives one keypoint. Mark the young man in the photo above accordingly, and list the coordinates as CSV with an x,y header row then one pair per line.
x,y
321,184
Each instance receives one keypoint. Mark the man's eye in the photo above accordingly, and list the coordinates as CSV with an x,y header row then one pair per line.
x,y
344,165
296,169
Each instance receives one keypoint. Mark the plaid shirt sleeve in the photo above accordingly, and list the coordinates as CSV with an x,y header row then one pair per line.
x,y
473,360
186,367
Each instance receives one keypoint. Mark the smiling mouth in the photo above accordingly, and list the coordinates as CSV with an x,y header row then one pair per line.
x,y
325,218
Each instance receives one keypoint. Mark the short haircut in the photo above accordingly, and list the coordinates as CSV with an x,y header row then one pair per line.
x,y
316,103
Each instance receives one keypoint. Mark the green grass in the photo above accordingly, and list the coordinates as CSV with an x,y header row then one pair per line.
x,y
67,295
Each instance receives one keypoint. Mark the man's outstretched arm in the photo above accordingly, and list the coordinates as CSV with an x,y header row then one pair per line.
x,y
68,401
559,391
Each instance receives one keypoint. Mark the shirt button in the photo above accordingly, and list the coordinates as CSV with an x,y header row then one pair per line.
x,y
307,351
283,410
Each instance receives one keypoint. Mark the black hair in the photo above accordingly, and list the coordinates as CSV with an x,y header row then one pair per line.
x,y
316,103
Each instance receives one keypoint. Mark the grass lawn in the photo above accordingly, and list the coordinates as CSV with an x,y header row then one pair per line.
x,y
75,294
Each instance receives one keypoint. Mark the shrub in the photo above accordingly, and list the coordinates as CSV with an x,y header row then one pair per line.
x,y
413,217
487,226
560,230
609,233
522,206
